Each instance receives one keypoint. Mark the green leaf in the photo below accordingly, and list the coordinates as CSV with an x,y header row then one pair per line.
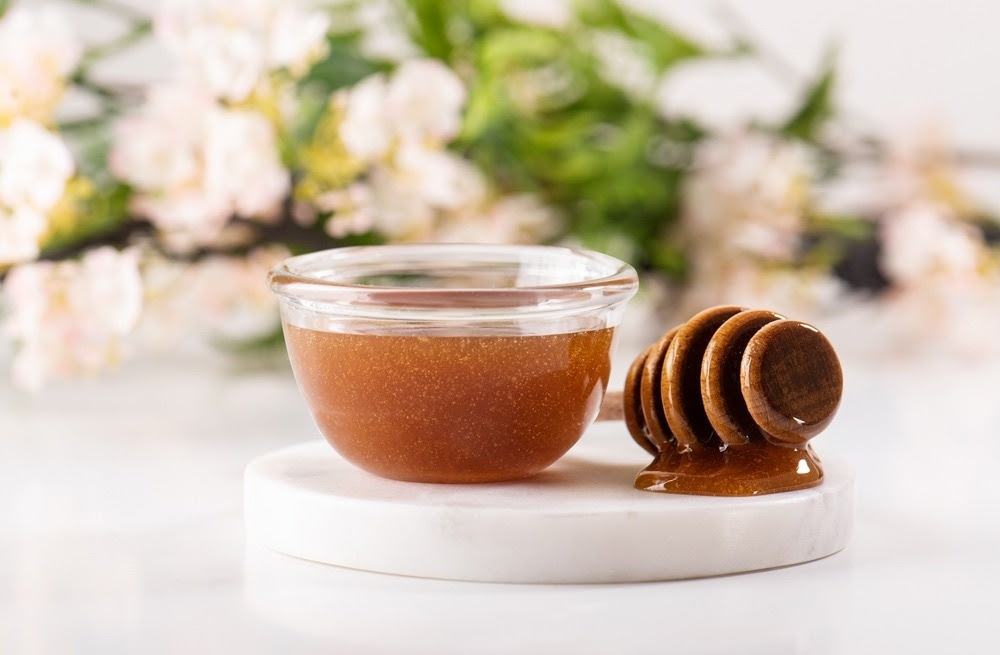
x,y
815,108
99,215
486,106
542,119
343,66
668,259
430,28
520,47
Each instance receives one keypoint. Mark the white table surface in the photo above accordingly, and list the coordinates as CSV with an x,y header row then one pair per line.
x,y
121,532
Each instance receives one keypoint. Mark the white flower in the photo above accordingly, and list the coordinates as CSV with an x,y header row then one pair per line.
x,y
441,178
37,51
160,152
232,296
945,284
34,168
921,242
230,45
424,102
241,162
194,164
742,213
521,218
44,34
408,199
297,39
401,213
399,125
365,129
20,231
383,31
353,210
746,194
420,105
159,147
556,14
920,167
169,309
70,318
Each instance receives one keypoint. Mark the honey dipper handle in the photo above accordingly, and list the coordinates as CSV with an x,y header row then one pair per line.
x,y
613,407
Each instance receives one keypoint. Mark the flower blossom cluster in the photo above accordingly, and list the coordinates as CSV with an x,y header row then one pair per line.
x,y
37,51
35,166
233,302
746,204
70,318
743,219
410,187
747,194
229,48
217,144
945,281
198,152
206,148
195,164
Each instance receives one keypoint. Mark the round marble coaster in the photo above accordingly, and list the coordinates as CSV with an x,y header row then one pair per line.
x,y
579,521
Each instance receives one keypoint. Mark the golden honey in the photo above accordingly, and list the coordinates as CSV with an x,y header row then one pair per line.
x,y
457,409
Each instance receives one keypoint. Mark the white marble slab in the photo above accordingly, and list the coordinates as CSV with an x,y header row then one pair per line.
x,y
578,522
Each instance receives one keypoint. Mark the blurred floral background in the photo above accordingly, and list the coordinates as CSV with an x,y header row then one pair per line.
x,y
133,217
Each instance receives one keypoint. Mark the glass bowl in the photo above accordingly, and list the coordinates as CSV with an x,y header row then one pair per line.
x,y
452,363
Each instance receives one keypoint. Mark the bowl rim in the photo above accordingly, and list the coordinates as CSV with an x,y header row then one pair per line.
x,y
617,283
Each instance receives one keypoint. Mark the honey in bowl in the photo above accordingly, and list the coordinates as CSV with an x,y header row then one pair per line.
x,y
452,363
451,408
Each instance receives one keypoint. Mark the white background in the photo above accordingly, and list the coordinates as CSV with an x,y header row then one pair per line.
x,y
901,62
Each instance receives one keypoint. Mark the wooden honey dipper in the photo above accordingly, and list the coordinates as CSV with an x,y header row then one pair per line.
x,y
727,402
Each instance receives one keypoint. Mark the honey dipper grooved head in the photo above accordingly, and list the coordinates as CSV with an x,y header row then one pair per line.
x,y
721,388
730,376
681,382
791,380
